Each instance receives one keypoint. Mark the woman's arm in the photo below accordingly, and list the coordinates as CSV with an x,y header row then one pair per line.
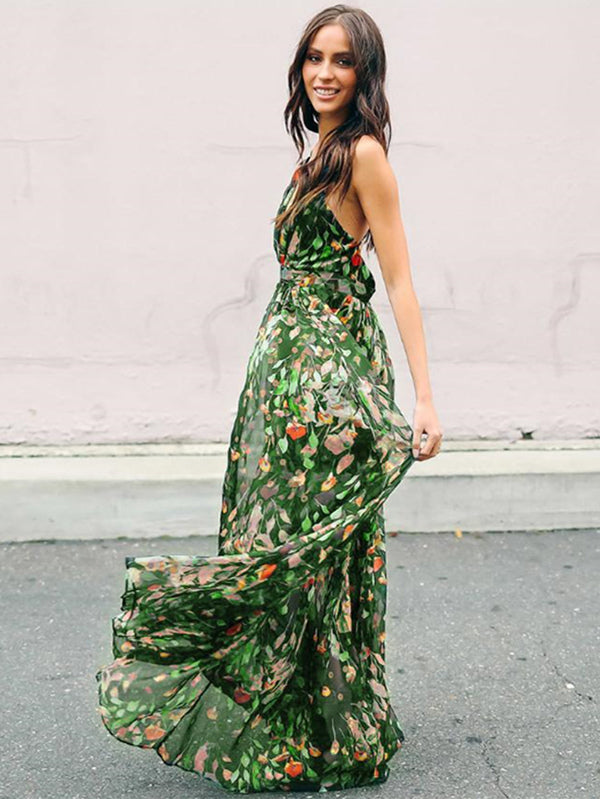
x,y
377,190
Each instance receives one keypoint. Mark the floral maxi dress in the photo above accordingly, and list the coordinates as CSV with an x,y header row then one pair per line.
x,y
263,667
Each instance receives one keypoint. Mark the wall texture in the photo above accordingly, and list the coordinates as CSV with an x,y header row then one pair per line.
x,y
143,156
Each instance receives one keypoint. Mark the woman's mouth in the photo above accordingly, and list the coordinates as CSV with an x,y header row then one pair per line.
x,y
325,92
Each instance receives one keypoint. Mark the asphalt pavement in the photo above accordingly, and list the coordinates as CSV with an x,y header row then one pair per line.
x,y
492,663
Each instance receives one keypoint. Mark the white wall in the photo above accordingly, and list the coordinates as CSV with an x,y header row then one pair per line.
x,y
143,155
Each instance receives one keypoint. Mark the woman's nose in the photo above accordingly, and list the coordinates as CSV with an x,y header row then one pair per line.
x,y
325,71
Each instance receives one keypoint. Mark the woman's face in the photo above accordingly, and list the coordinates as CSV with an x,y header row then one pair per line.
x,y
329,63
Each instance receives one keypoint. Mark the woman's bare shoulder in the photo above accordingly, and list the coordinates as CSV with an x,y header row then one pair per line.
x,y
369,149
370,165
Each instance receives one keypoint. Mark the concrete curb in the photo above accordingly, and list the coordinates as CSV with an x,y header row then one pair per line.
x,y
148,490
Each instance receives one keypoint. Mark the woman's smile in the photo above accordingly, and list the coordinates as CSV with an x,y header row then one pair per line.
x,y
325,92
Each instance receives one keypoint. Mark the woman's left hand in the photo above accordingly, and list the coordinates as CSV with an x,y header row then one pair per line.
x,y
425,421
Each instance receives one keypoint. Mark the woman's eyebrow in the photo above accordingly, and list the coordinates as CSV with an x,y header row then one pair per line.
x,y
344,52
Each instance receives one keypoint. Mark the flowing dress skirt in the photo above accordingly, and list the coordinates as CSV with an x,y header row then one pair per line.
x,y
263,667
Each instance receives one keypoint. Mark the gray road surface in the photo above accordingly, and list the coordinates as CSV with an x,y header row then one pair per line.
x,y
493,667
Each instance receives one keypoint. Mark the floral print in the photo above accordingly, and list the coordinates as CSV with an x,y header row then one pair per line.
x,y
263,667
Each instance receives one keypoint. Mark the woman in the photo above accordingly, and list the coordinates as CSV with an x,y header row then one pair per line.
x,y
263,667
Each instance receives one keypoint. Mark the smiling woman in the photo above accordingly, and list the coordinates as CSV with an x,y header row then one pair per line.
x,y
314,57
263,667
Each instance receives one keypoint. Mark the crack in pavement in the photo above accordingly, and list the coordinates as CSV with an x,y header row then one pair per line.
x,y
492,767
569,684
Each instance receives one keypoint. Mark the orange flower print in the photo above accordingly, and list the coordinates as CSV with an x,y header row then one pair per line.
x,y
328,483
266,570
293,768
295,430
377,563
153,732
347,530
241,696
264,463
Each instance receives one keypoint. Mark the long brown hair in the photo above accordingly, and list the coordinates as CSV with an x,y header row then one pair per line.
x,y
331,170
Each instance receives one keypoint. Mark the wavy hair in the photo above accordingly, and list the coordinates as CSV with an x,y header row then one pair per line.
x,y
369,113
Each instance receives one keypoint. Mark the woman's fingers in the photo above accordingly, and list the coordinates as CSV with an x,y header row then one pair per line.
x,y
432,446
416,442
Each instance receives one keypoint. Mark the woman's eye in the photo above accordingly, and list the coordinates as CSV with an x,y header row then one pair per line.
x,y
345,61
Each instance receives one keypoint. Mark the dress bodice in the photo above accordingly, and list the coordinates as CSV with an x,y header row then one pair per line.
x,y
315,248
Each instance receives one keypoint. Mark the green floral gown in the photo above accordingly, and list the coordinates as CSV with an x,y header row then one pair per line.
x,y
263,667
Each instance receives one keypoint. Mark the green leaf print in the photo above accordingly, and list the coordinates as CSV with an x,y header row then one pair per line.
x,y
282,443
262,666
